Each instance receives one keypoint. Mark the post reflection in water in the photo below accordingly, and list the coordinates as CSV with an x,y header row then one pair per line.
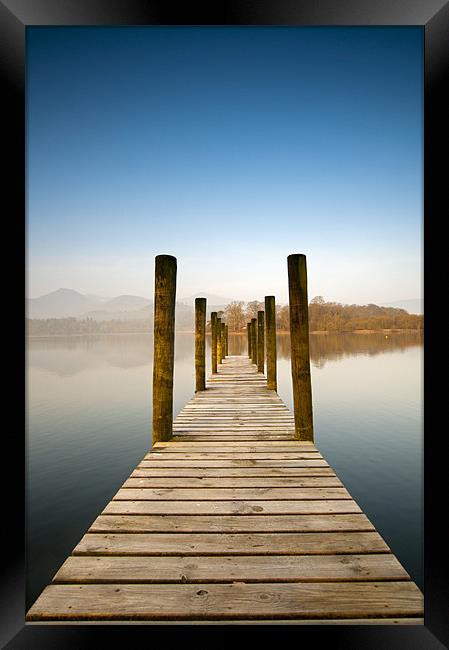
x,y
132,350
333,346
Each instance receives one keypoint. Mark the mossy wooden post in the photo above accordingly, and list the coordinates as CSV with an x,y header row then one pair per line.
x,y
299,337
219,357
270,335
200,344
260,341
253,341
248,331
213,327
164,346
227,340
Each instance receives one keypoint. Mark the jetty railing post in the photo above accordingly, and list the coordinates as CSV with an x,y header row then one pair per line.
x,y
270,329
260,341
213,327
219,357
200,344
164,346
248,332
299,338
253,341
227,340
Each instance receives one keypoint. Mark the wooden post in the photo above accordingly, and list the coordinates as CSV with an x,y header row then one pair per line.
x,y
213,327
253,341
260,341
299,338
200,344
223,340
164,346
270,329
227,340
248,331
219,357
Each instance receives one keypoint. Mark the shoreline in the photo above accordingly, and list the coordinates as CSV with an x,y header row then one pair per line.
x,y
191,332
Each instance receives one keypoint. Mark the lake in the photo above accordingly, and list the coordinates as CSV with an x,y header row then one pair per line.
x,y
89,424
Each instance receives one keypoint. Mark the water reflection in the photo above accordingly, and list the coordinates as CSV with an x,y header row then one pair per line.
x,y
331,347
68,355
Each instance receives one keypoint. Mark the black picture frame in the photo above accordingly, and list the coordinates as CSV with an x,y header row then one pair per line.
x,y
433,16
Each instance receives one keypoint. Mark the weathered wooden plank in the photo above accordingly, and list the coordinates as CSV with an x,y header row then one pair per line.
x,y
233,482
238,427
276,423
244,407
226,436
236,424
269,455
238,445
242,448
231,436
162,507
232,422
237,413
249,568
266,621
216,415
215,418
230,523
225,494
239,472
268,397
237,600
237,410
234,462
230,543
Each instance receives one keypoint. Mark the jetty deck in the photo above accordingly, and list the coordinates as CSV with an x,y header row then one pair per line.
x,y
232,521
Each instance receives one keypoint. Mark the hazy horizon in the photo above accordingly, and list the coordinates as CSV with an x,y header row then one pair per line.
x,y
194,294
229,148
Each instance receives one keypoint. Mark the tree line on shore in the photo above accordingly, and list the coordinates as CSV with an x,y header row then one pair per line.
x,y
323,316
326,316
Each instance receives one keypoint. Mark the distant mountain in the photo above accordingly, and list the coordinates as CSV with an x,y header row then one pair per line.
x,y
99,299
126,303
65,303
413,305
59,304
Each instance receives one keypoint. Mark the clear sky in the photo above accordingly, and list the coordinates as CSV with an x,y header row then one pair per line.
x,y
229,148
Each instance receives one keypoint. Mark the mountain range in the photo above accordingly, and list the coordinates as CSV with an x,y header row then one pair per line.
x,y
64,303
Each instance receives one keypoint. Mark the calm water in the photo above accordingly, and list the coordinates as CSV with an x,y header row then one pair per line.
x,y
89,423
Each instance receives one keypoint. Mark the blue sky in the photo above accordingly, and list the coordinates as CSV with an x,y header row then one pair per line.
x,y
229,148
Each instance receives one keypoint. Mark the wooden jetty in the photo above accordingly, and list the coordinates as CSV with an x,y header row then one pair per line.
x,y
233,520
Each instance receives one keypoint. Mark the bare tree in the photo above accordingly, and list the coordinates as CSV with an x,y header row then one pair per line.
x,y
235,316
252,308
